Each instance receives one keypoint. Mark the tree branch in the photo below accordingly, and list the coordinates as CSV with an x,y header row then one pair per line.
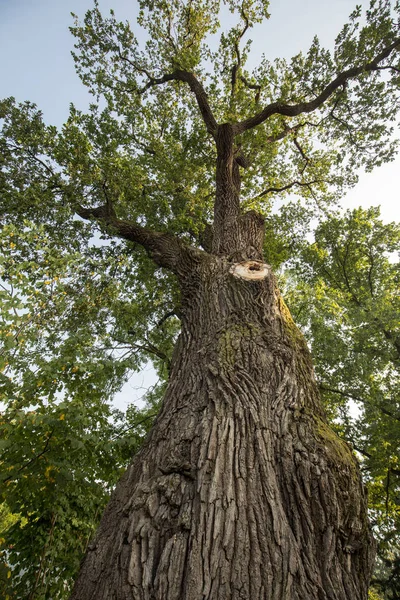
x,y
288,110
171,313
346,125
389,67
148,347
236,67
252,86
286,131
303,155
196,88
271,190
32,460
146,418
358,399
165,249
363,452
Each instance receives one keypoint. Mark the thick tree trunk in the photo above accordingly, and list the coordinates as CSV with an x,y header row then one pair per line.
x,y
241,490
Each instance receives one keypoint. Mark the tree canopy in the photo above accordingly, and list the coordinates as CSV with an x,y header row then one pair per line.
x,y
84,213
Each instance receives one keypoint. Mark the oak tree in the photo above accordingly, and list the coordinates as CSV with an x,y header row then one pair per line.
x,y
241,489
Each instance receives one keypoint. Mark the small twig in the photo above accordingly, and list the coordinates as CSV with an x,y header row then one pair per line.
x,y
32,460
271,190
358,399
146,418
387,491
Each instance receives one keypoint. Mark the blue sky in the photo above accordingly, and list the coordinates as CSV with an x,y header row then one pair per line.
x,y
35,43
36,65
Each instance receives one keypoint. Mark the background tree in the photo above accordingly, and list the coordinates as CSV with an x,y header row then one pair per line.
x,y
343,291
141,167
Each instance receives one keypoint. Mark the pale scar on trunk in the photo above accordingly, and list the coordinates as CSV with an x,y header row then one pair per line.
x,y
251,270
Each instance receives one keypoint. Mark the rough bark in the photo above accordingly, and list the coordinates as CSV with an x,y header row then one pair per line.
x,y
241,491
237,235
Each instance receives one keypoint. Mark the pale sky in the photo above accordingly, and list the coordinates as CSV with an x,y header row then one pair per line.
x,y
36,65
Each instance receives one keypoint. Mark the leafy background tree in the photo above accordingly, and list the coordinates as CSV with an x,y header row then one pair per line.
x,y
343,289
80,313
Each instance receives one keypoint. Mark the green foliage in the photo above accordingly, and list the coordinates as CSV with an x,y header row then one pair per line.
x,y
343,290
51,460
373,595
82,310
58,465
67,345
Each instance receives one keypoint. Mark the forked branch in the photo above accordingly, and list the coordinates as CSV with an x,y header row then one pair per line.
x,y
165,249
292,110
196,88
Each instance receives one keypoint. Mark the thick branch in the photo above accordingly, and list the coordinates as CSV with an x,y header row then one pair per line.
x,y
171,313
288,110
227,203
165,249
196,88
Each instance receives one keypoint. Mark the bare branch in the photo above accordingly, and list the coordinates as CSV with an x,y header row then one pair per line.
x,y
288,110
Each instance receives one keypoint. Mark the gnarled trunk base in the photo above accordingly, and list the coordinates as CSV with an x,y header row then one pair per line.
x,y
241,491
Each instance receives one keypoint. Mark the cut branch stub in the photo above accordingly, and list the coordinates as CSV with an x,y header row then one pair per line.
x,y
252,270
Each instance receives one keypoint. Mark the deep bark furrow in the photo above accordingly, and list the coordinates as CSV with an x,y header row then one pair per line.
x,y
241,491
